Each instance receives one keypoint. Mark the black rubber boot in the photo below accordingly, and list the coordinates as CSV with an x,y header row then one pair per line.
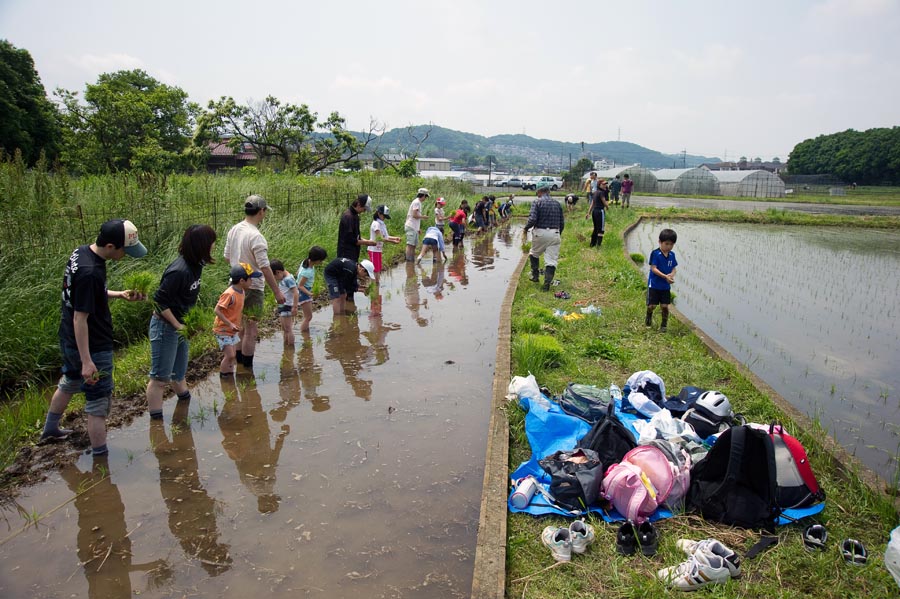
x,y
549,271
649,320
663,325
535,268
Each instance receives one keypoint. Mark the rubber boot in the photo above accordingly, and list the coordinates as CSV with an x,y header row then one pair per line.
x,y
649,320
663,325
535,266
549,271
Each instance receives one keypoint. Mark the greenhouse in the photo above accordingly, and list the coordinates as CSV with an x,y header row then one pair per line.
x,y
749,184
644,179
686,181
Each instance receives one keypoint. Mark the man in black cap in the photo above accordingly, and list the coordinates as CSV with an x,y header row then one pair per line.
x,y
546,218
85,331
246,244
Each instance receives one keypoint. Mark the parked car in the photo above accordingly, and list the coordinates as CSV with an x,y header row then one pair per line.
x,y
512,182
554,182
499,182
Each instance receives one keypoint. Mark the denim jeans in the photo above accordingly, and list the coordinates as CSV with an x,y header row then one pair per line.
x,y
97,396
168,351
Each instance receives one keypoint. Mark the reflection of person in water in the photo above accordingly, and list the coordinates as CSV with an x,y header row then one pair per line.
x,y
311,375
457,268
411,295
104,548
192,512
288,386
246,440
378,329
483,253
433,282
343,345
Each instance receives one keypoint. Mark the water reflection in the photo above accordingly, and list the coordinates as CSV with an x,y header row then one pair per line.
x,y
192,512
104,546
483,252
433,280
457,268
288,386
411,295
342,344
310,375
378,329
247,440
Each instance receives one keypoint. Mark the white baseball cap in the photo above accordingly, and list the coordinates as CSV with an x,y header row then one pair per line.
x,y
370,268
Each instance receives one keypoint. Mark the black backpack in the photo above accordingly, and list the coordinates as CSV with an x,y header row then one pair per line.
x,y
735,483
609,438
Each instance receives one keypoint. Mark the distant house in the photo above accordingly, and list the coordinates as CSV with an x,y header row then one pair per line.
x,y
221,155
432,164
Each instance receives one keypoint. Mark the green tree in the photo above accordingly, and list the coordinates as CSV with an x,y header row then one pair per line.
x,y
29,122
408,168
128,120
573,177
871,156
288,133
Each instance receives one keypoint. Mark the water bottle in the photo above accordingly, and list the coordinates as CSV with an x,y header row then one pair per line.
x,y
525,488
615,393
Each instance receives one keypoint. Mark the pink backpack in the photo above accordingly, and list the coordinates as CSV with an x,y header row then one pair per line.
x,y
638,484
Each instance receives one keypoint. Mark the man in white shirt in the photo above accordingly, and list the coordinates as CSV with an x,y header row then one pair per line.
x,y
246,244
413,223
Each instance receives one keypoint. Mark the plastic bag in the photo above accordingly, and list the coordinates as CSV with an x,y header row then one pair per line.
x,y
523,386
892,555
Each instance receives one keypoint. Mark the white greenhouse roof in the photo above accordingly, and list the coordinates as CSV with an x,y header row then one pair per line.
x,y
736,176
670,174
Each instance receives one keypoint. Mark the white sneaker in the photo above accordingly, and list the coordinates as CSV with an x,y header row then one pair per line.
x,y
698,571
581,534
732,560
558,540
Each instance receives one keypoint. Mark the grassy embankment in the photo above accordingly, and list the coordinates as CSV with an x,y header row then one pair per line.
x,y
861,196
608,348
43,225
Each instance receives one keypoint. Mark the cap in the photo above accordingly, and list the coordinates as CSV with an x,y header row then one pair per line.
x,y
244,271
366,201
543,185
256,202
122,234
384,211
441,201
370,268
422,191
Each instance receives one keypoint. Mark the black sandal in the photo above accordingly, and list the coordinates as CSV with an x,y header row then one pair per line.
x,y
854,552
815,536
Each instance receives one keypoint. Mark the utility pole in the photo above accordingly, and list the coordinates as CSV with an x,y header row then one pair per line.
x,y
619,136
490,168
683,158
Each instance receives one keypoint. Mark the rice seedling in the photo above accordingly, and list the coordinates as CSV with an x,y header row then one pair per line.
x,y
537,353
197,319
141,282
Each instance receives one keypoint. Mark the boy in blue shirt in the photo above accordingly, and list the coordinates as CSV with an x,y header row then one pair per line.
x,y
662,275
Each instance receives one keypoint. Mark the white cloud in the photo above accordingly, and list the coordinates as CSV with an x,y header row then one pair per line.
x,y
105,63
834,60
712,58
842,9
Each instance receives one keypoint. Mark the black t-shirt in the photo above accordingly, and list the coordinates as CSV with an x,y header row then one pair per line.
x,y
348,235
344,270
179,288
84,290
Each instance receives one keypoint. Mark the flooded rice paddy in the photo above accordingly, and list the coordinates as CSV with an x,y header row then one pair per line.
x,y
348,466
811,310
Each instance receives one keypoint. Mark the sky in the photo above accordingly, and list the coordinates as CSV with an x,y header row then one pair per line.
x,y
713,78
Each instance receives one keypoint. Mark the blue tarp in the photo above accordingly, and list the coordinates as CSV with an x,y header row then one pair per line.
x,y
549,430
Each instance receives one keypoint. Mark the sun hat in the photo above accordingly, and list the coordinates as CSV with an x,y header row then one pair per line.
x,y
370,268
122,234
422,191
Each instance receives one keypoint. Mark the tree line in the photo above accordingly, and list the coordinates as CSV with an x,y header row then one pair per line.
x,y
129,120
864,157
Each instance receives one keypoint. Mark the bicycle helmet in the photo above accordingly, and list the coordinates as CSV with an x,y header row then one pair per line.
x,y
715,403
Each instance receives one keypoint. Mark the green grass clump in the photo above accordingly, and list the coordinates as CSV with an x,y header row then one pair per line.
x,y
196,320
638,258
528,324
141,281
537,353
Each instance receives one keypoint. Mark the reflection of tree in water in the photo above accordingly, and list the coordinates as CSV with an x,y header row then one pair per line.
x,y
342,344
311,375
288,386
433,281
457,267
483,252
411,294
378,329
192,512
104,548
246,440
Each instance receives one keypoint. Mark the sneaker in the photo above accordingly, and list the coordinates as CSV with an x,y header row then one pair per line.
x,y
712,546
59,434
698,571
558,540
626,542
581,534
648,538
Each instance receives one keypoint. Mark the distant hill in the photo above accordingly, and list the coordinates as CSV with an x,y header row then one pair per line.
x,y
524,149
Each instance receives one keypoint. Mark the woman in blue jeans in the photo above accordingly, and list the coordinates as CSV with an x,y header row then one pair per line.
x,y
177,293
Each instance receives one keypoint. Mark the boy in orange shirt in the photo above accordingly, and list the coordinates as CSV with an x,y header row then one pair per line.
x,y
229,310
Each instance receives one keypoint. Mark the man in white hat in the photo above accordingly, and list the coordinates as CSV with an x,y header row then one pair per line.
x,y
413,223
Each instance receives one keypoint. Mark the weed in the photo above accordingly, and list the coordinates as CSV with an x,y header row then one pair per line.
x,y
638,258
536,353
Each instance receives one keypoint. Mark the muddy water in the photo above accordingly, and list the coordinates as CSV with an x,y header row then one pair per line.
x,y
811,310
348,466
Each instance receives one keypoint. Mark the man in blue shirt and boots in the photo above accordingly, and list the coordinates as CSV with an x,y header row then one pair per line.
x,y
546,218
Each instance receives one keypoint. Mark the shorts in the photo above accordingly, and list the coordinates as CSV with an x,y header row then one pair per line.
x,y
305,296
98,397
337,287
659,296
615,195
626,196
284,310
253,301
430,241
375,257
168,351
412,236
226,340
